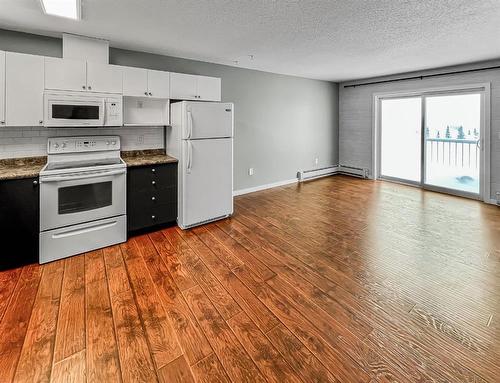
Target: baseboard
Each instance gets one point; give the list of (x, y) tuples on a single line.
[(264, 187), (336, 169), (492, 201)]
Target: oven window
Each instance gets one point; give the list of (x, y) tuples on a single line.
[(75, 112), (74, 199)]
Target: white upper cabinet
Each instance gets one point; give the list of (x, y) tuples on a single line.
[(2, 88), (135, 82), (209, 88), (64, 74), (76, 75), (191, 87), (139, 82), (24, 84), (183, 86), (104, 78), (158, 84)]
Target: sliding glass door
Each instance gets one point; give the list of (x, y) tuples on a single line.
[(433, 140), (401, 127), (452, 142)]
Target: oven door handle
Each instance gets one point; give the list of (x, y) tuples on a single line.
[(85, 176)]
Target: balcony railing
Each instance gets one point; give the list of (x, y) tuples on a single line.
[(453, 152)]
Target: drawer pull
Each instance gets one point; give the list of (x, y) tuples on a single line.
[(153, 170), (153, 182), (153, 198), (153, 217)]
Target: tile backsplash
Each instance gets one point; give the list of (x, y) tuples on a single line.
[(18, 142)]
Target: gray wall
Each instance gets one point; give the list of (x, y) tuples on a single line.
[(282, 123), (356, 113)]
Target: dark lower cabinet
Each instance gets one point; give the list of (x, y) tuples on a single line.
[(151, 197), (19, 222)]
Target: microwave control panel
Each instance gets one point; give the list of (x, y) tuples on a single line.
[(113, 113)]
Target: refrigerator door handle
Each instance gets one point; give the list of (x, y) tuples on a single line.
[(190, 124), (190, 157)]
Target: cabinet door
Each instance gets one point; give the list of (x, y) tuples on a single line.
[(23, 89), (104, 78), (2, 88), (209, 88), (159, 84), (135, 82), (65, 74), (183, 86), (19, 222)]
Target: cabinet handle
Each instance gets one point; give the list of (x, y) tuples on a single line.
[(146, 93), (83, 86), (90, 87), (35, 183), (2, 122), (153, 198), (153, 170), (153, 217), (153, 182), (150, 93), (40, 122)]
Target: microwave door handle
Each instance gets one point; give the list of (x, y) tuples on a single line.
[(103, 108), (82, 177)]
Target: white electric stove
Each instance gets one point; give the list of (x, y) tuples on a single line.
[(82, 196)]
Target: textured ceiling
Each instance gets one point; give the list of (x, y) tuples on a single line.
[(330, 40)]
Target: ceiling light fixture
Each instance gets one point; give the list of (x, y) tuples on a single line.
[(71, 9)]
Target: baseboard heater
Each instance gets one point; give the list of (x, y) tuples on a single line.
[(306, 175), (353, 171)]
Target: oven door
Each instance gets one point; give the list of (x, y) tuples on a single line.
[(81, 197), (73, 111)]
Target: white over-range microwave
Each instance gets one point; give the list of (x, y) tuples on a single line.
[(81, 109)]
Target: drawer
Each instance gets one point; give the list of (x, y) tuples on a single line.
[(156, 215), (152, 177), (149, 198)]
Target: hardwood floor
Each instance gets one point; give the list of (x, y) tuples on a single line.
[(335, 280)]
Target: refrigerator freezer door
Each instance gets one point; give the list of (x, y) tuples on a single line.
[(207, 120), (206, 190)]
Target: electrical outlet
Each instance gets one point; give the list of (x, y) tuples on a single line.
[(250, 171), (140, 139)]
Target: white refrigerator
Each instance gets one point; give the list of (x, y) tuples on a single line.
[(201, 138)]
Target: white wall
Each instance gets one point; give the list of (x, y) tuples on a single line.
[(32, 141), (356, 113)]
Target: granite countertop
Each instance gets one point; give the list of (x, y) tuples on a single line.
[(146, 157), (15, 168), (27, 167)]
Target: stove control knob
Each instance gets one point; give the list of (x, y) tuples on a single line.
[(63, 144), (56, 145), (107, 143), (113, 142)]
